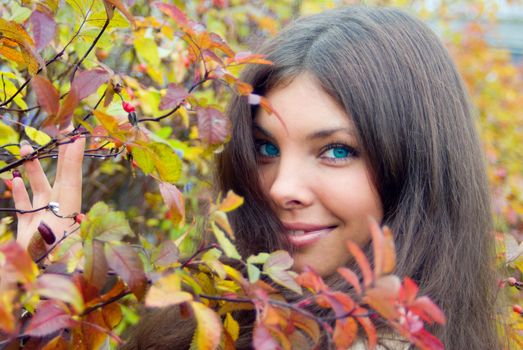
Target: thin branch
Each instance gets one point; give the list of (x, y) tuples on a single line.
[(51, 248), (198, 252), (107, 302), (93, 44)]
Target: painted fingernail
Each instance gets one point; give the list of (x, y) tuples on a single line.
[(16, 173), (46, 232)]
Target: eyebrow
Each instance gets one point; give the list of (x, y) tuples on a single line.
[(319, 134)]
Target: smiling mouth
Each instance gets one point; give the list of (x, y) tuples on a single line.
[(302, 238)]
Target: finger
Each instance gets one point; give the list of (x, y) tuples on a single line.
[(37, 179), (22, 202), (70, 177)]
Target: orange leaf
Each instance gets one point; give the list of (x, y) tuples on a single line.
[(389, 251), (351, 278), (369, 328), (377, 246), (15, 32), (173, 12), (12, 54), (93, 330), (18, 263), (362, 261), (174, 200), (230, 202), (112, 314), (57, 343), (426, 309), (345, 333), (408, 291), (66, 110), (46, 94), (308, 325)]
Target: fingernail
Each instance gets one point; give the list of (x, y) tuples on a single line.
[(46, 232), (24, 143), (16, 173)]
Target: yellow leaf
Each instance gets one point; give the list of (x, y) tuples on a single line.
[(37, 136), (209, 327), (167, 291), (14, 31), (231, 326)]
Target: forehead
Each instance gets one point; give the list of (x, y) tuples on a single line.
[(303, 106)]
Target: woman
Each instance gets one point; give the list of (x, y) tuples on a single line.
[(373, 120)]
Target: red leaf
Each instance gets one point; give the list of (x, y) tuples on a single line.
[(351, 278), (424, 307), (121, 7), (362, 261), (311, 280), (51, 316), (213, 126), (87, 82), (262, 339), (175, 95), (173, 12), (389, 251), (44, 28), (127, 264), (369, 328), (408, 291), (46, 94), (95, 267), (174, 200), (66, 110), (17, 263), (427, 341)]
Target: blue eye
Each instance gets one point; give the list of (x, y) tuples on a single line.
[(338, 152), (267, 149)]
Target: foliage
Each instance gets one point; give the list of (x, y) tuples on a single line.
[(145, 83)]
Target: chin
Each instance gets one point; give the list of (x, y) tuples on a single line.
[(324, 269)]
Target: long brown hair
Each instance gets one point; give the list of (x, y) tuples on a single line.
[(397, 82)]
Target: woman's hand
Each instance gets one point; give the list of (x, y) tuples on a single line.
[(66, 191)]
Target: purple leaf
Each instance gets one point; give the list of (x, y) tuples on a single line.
[(51, 316), (87, 82), (175, 95), (213, 126), (44, 29)]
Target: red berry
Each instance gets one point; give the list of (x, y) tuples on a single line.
[(46, 232), (79, 217), (128, 107), (517, 309)]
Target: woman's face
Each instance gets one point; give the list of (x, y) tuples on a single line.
[(311, 167)]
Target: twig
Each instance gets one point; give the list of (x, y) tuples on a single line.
[(107, 302), (93, 44), (51, 248), (198, 252)]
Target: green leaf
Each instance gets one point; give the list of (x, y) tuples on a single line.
[(105, 224), (253, 273), (159, 159), (228, 248)]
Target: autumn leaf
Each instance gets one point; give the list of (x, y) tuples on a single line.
[(277, 267), (158, 159), (351, 277), (112, 315), (127, 264), (262, 338), (213, 126), (95, 266), (121, 7), (362, 261), (105, 224), (57, 343), (38, 136), (167, 291), (174, 96), (61, 288), (87, 82), (7, 318), (51, 316), (228, 248), (174, 201), (46, 94), (208, 329), (231, 326), (44, 28), (230, 202), (345, 333), (172, 11), (17, 263), (165, 254)]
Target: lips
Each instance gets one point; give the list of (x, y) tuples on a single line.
[(301, 235)]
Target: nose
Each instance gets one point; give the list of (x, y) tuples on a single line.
[(292, 186)]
